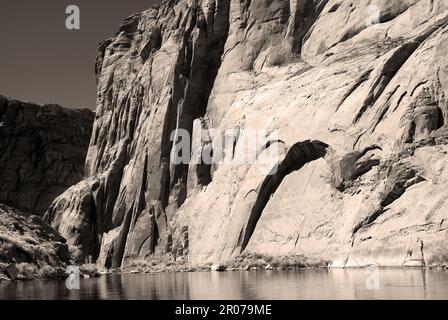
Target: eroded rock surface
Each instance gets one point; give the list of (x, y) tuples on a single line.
[(29, 248), (42, 152), (353, 75)]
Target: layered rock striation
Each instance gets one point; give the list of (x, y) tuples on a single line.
[(42, 152), (351, 95)]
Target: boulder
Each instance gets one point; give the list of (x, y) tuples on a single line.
[(218, 267)]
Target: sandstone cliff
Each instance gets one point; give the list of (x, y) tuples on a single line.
[(42, 152), (355, 92)]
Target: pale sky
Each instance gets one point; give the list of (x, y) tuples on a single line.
[(43, 62)]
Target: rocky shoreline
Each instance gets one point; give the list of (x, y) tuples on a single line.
[(244, 262), (29, 248)]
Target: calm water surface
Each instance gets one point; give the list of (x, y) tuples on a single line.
[(271, 285)]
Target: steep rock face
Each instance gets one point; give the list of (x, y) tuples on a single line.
[(154, 76), (367, 80), (42, 152)]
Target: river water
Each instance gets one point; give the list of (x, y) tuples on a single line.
[(270, 285)]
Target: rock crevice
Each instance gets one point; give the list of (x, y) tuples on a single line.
[(322, 69)]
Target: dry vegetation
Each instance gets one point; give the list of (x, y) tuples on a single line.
[(246, 261), (29, 248)]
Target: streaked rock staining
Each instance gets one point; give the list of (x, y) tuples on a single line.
[(375, 192)]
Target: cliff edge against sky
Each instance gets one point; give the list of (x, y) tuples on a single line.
[(354, 91), (42, 153)]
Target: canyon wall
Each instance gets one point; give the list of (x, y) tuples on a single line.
[(42, 152), (351, 95)]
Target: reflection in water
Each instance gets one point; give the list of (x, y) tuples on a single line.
[(268, 285)]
